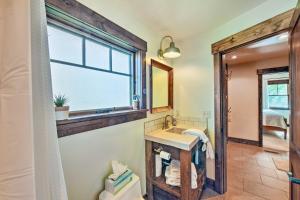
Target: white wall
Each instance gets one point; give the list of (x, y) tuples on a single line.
[(86, 157), (194, 73), (243, 97), (194, 77)]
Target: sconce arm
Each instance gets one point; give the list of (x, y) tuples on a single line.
[(165, 37)]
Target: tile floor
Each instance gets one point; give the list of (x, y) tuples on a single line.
[(252, 175), (275, 140)]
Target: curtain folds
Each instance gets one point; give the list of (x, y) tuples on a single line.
[(30, 164)]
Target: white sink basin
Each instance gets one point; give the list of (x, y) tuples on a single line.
[(173, 137)]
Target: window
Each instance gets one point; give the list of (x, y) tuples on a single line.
[(278, 95), (91, 73)]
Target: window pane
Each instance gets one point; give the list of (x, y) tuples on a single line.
[(120, 62), (90, 89), (278, 101), (64, 46), (272, 89), (97, 55), (282, 89)]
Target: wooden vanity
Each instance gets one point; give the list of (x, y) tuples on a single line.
[(157, 189)]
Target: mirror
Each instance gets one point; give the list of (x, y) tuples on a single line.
[(161, 87)]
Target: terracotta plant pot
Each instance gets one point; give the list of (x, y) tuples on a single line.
[(62, 113), (135, 105)]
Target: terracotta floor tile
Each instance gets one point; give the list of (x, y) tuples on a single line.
[(234, 194), (264, 191), (266, 163), (275, 183), (282, 175), (252, 175), (268, 172)]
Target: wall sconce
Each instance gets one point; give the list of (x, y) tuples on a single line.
[(171, 52)]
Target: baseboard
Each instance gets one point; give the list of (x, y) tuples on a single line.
[(243, 141), (210, 183)]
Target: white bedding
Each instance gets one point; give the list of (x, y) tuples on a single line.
[(272, 118)]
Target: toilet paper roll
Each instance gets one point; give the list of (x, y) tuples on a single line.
[(165, 155), (158, 165)]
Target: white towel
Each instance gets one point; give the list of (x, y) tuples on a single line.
[(199, 133), (172, 174), (202, 136)]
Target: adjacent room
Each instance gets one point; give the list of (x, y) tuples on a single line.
[(258, 110), (149, 100)]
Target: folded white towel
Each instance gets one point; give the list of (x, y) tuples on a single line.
[(172, 174), (202, 136)]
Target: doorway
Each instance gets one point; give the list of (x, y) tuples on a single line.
[(249, 163), (262, 30), (274, 109)]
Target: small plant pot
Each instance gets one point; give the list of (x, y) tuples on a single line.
[(62, 113), (136, 105)]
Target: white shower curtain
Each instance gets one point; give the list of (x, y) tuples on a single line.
[(30, 164)]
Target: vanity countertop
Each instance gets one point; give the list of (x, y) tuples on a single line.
[(180, 141)]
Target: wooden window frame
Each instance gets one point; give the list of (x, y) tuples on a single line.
[(72, 15), (131, 74), (276, 82)]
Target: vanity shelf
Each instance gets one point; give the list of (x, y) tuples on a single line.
[(156, 186)]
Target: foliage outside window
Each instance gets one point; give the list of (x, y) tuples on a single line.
[(93, 74), (278, 94)]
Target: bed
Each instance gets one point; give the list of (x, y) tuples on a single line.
[(274, 121)]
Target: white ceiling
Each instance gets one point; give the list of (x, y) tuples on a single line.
[(185, 18)]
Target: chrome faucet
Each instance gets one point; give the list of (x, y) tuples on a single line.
[(166, 122)]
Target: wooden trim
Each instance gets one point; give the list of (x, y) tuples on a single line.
[(258, 32), (185, 174), (81, 124), (273, 70), (295, 16), (150, 167), (81, 113), (76, 16), (89, 17), (244, 141), (160, 109), (260, 110), (279, 81), (169, 69), (220, 127), (262, 30), (260, 73), (144, 80)]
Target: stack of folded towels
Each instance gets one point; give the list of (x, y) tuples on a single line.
[(172, 174), (121, 177)]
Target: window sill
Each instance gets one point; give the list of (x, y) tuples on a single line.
[(79, 124)]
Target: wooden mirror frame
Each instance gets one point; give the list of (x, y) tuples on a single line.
[(169, 69)]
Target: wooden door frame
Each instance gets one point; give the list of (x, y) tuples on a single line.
[(260, 73), (278, 24), (294, 151)]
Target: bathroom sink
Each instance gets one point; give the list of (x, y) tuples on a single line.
[(175, 130)]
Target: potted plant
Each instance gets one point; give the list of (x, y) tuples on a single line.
[(136, 102), (61, 110)]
